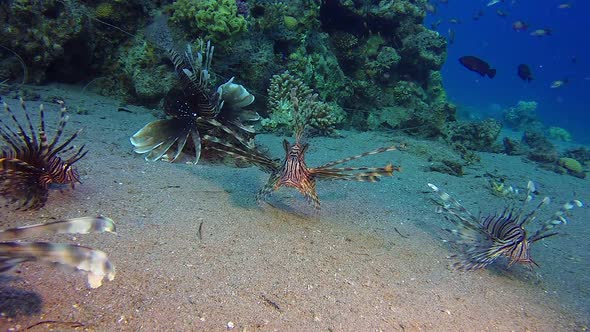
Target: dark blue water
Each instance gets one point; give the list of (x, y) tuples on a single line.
[(563, 55)]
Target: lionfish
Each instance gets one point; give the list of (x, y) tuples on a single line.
[(94, 262), (196, 112), (486, 239), (293, 171), (30, 164)]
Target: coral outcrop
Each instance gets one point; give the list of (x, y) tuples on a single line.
[(522, 116), (560, 134), (478, 136)]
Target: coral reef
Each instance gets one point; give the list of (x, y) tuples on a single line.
[(361, 58)]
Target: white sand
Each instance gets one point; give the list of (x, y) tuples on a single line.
[(279, 267)]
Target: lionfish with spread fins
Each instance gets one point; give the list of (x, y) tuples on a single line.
[(486, 239), (30, 164), (94, 262), (293, 171), (195, 111)]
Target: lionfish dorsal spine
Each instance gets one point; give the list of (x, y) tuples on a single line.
[(21, 133), (30, 123), (63, 119)]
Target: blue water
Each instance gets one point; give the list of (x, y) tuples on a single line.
[(550, 58)]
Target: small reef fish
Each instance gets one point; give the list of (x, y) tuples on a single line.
[(541, 32), (519, 26), (454, 20), (558, 83), (478, 15), (501, 13), (430, 8), (564, 5), (493, 2), (451, 33), (435, 25), (524, 72), (477, 65)]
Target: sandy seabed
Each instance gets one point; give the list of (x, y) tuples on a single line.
[(374, 259)]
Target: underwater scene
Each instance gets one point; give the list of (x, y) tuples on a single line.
[(304, 165)]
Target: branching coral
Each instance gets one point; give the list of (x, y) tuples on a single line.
[(324, 116)]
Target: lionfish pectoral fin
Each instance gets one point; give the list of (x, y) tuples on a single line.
[(370, 174), (196, 137), (312, 198), (159, 151), (235, 95), (17, 166), (9, 263), (158, 136), (83, 225), (94, 262), (271, 185), (180, 144)]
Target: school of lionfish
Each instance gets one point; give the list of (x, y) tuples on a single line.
[(212, 123)]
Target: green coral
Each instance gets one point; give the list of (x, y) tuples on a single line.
[(386, 58), (290, 22), (560, 134), (215, 20), (317, 66), (571, 164), (392, 117), (323, 117), (406, 93)]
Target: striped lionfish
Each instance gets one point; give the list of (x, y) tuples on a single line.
[(486, 239), (293, 171), (194, 111), (94, 262), (30, 164)]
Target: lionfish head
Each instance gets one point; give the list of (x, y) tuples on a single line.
[(62, 174), (295, 151), (520, 253)]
